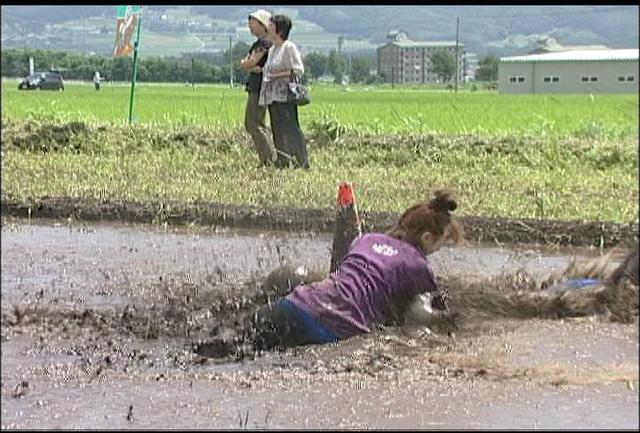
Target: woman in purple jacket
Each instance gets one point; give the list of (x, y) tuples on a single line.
[(379, 277)]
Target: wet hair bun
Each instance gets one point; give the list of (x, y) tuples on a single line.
[(443, 201)]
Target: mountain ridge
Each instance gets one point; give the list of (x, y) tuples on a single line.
[(498, 30)]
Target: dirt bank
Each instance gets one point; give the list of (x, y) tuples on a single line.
[(546, 232)]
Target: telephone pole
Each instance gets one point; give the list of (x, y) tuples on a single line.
[(393, 77), (457, 60), (230, 63)]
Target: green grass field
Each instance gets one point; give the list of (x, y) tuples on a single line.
[(363, 108), (551, 157)]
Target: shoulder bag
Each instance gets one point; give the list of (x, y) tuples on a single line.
[(298, 93)]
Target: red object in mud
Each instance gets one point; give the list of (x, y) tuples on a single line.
[(345, 194), (348, 224), (347, 206)]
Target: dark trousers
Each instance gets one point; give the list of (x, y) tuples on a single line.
[(254, 117), (275, 327), (97, 85), (288, 138), (281, 325)]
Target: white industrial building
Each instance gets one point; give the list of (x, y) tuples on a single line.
[(572, 71)]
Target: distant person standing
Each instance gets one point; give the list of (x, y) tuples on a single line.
[(96, 80), (284, 59), (254, 116)]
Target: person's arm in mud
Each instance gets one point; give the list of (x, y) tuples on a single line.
[(427, 307), (421, 300), (421, 309)]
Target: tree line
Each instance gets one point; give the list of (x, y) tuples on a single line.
[(191, 67), (212, 67), (196, 68)]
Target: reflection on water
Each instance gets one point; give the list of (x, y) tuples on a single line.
[(50, 255)]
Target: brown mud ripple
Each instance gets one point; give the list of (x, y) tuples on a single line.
[(548, 232), (172, 309), (184, 314)]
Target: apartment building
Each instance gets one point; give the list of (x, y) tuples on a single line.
[(405, 61)]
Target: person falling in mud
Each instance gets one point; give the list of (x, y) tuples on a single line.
[(379, 278)]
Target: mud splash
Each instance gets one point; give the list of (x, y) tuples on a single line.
[(111, 314), (214, 303)]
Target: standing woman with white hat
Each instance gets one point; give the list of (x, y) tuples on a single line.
[(283, 60), (254, 116)]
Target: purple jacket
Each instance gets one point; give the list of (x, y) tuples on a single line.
[(376, 270)]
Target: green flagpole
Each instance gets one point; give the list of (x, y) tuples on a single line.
[(135, 68)]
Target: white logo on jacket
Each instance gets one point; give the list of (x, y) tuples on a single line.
[(384, 249)]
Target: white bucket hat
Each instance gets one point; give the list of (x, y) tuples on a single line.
[(262, 16)]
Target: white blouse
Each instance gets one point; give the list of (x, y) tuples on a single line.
[(282, 58)]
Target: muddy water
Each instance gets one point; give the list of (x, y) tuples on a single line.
[(99, 321)]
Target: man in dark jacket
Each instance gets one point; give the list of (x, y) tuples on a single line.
[(254, 120)]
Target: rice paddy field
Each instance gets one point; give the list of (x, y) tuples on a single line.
[(367, 108), (568, 157)]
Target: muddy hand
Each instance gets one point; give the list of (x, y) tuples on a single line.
[(215, 348), (439, 302)]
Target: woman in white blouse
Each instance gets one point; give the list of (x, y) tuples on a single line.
[(283, 60)]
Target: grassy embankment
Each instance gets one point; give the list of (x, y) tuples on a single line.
[(572, 157)]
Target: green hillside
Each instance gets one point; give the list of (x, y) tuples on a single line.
[(501, 30)]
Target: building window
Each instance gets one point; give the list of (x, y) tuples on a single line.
[(516, 79), (630, 78), (550, 79), (591, 78), (520, 79), (622, 79)]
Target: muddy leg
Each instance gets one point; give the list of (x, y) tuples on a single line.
[(628, 269), (281, 281), (268, 326), (274, 326)]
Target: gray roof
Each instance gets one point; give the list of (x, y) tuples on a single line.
[(407, 43), (557, 48), (577, 56)]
